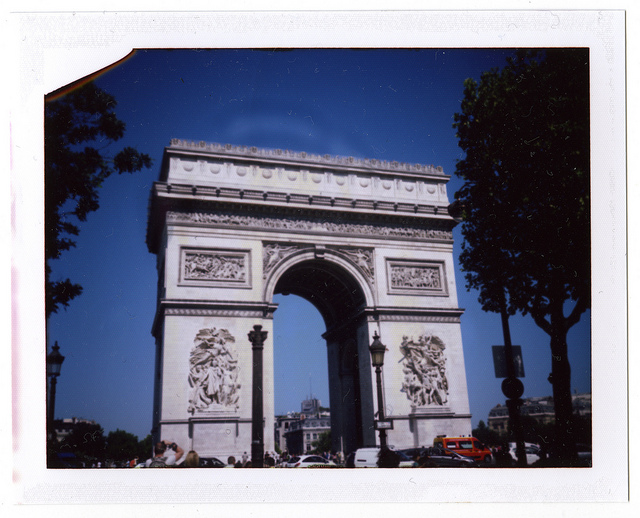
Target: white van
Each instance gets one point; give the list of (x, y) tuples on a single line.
[(368, 458)]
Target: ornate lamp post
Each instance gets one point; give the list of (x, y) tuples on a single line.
[(257, 338), (54, 364), (377, 350)]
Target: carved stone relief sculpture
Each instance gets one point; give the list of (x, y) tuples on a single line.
[(425, 375), (273, 253), (214, 266), (362, 258), (213, 372), (308, 225), (415, 277)]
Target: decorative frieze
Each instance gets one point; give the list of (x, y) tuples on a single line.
[(416, 277), (416, 317), (424, 367), (213, 373), (221, 268), (308, 225), (214, 312)]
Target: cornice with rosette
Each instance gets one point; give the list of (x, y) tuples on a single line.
[(302, 158)]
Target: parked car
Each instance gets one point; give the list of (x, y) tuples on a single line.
[(442, 457), (412, 452), (309, 461), (467, 446), (532, 452), (211, 462), (368, 458)]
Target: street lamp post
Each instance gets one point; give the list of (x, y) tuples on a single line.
[(54, 364), (377, 350)]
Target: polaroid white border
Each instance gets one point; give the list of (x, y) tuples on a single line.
[(49, 50)]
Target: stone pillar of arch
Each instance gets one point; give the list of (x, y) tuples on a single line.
[(369, 243)]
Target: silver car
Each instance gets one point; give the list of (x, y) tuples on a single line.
[(532, 452)]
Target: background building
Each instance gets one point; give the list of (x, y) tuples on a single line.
[(541, 409), (300, 433), (282, 425), (64, 427)]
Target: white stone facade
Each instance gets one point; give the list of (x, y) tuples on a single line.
[(369, 242)]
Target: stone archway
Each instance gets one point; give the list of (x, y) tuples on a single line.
[(339, 296), (369, 243)]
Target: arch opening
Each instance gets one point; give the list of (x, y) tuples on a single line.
[(334, 292), (339, 299)]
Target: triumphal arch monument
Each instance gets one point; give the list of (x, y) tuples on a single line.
[(367, 242)]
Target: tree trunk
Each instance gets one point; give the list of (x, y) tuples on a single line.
[(564, 444)]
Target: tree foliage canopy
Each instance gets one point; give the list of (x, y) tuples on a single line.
[(122, 445), (323, 443), (525, 132), (86, 440), (525, 201), (79, 127)]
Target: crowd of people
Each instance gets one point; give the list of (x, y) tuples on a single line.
[(169, 454)]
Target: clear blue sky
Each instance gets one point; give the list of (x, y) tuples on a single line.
[(384, 104)]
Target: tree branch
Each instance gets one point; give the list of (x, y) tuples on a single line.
[(541, 322), (580, 307)]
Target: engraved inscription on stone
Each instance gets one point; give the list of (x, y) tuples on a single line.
[(425, 375), (213, 372)]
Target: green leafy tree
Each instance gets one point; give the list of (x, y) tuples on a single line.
[(121, 445), (525, 199), (87, 441), (79, 126), (486, 435), (323, 443), (145, 448)]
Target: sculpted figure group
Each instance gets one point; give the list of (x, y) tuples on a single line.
[(214, 266), (213, 371), (425, 381)]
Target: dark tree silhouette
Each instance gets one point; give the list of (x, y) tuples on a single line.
[(79, 126), (86, 441), (122, 446), (525, 199)]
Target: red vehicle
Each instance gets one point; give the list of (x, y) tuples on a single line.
[(467, 446)]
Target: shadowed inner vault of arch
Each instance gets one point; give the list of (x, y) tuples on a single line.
[(330, 289)]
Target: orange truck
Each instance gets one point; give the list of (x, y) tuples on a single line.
[(467, 446)]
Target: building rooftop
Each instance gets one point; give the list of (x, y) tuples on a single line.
[(303, 156)]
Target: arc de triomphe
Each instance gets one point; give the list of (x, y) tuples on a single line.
[(368, 242)]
